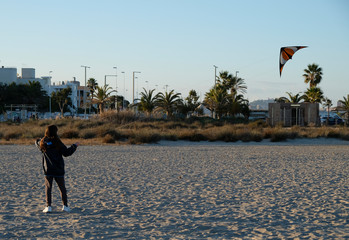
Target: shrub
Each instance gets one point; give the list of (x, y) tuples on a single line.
[(12, 135), (170, 137), (278, 136), (256, 136), (104, 130), (88, 134), (257, 124), (108, 139), (70, 133), (333, 134), (121, 117), (145, 137), (197, 137), (345, 136)]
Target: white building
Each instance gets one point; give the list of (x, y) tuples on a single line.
[(9, 75), (77, 95)]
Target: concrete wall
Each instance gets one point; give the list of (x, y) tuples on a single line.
[(8, 75), (290, 114)]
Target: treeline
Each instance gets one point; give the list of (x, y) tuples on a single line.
[(29, 93)]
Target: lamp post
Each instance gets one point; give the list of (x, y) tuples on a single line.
[(116, 78), (85, 90), (236, 74), (105, 78), (133, 89), (215, 75), (49, 93), (123, 101)]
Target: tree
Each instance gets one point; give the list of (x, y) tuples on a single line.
[(291, 98), (102, 96), (345, 103), (313, 75), (232, 83), (168, 102), (224, 98), (216, 100), (313, 95), (237, 104), (327, 103), (3, 97), (61, 97), (148, 101), (190, 103), (92, 85)]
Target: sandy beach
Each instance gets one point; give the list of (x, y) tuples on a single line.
[(181, 190)]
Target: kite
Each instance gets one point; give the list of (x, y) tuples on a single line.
[(286, 54)]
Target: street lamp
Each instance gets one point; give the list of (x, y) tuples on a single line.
[(133, 89), (49, 92), (116, 78), (105, 79), (215, 75), (85, 90), (236, 74), (123, 101)]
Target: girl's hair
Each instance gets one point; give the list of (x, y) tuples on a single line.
[(51, 131), (50, 134)]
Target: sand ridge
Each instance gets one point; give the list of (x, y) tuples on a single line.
[(183, 191)]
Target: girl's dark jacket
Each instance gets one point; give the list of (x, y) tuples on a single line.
[(53, 162)]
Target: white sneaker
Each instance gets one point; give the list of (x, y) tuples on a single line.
[(65, 208), (47, 209)]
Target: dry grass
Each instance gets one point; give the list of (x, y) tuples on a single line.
[(127, 128)]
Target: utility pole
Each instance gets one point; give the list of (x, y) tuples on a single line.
[(85, 90), (215, 75), (116, 78), (133, 89), (49, 93)]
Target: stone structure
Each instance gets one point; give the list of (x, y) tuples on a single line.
[(290, 114)]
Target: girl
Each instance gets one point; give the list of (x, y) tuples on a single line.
[(53, 151)]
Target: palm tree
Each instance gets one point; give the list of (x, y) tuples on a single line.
[(232, 83), (216, 100), (237, 104), (148, 101), (92, 85), (327, 103), (313, 95), (345, 103), (292, 98), (103, 96), (313, 75), (168, 101)]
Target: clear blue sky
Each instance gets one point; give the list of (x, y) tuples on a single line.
[(176, 43)]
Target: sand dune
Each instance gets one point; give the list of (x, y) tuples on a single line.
[(182, 191)]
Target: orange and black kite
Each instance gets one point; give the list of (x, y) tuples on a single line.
[(286, 54)]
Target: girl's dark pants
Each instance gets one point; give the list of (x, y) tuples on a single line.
[(48, 188)]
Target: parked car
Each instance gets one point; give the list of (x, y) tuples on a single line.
[(332, 120)]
